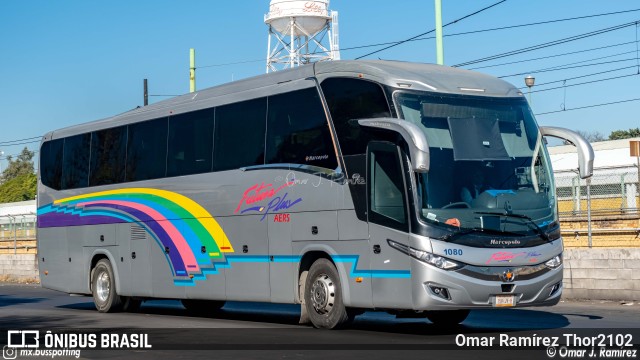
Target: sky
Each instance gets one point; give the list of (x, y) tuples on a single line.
[(67, 62)]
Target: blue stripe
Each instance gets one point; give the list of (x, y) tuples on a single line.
[(353, 259)]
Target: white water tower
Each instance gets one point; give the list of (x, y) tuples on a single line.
[(299, 31)]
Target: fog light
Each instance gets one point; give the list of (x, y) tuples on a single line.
[(555, 288), (440, 292)]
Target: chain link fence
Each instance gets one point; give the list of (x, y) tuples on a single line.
[(614, 191)]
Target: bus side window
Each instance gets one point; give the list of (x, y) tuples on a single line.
[(386, 187), (190, 143), (147, 150), (75, 161), (298, 131), (239, 135), (108, 154), (350, 99), (51, 163)]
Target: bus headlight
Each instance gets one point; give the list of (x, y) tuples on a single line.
[(554, 262), (435, 260)]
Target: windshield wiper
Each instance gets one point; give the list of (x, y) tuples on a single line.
[(532, 224), (457, 234)]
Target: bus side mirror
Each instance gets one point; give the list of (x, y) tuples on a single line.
[(411, 133), (585, 151)]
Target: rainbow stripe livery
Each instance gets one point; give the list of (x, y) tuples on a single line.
[(176, 222)]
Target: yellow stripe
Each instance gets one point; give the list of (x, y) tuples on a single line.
[(200, 213)]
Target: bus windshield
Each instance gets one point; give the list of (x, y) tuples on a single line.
[(489, 169)]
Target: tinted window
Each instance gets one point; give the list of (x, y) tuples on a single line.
[(298, 132), (108, 153), (190, 143), (239, 134), (147, 150), (386, 192), (51, 163), (75, 168), (350, 99)]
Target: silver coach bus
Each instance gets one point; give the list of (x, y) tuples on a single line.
[(421, 190)]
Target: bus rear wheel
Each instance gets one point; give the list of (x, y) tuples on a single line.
[(103, 287), (323, 296), (447, 317)]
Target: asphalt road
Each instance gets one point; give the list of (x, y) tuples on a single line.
[(251, 330)]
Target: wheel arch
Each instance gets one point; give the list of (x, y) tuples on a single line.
[(98, 255), (310, 254)]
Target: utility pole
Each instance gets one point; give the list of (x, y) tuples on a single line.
[(146, 93), (439, 46), (192, 70)]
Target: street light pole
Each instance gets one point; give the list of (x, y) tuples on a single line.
[(529, 81)]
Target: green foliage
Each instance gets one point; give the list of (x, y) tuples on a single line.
[(624, 134), (21, 188), (23, 164)]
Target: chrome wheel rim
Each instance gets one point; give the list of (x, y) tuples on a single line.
[(323, 294), (103, 286)]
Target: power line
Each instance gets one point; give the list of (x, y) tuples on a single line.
[(491, 29), (589, 106), (568, 67), (585, 83), (6, 143), (430, 31), (23, 143), (446, 35), (231, 63), (548, 44), (552, 56), (582, 76)]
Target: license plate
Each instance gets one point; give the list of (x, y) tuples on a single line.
[(505, 301)]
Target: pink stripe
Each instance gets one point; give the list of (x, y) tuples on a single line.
[(178, 240)]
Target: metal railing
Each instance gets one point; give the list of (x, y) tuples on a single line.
[(17, 227), (611, 193)]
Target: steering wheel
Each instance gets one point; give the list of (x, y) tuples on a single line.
[(457, 205)]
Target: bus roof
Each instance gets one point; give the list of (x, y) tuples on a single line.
[(414, 76)]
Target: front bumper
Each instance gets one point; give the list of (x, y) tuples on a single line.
[(475, 292)]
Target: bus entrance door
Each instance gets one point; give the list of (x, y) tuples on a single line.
[(388, 220)]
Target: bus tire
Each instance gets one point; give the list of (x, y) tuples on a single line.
[(323, 296), (103, 287), (202, 307), (447, 317)]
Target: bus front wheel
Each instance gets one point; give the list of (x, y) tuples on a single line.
[(103, 286), (323, 296)]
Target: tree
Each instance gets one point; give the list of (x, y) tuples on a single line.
[(592, 136), (23, 164), (624, 134), (20, 188)]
